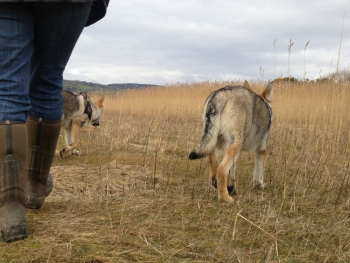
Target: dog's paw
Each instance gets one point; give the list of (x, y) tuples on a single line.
[(225, 198), (231, 190), (62, 152), (75, 152), (214, 182), (258, 185)]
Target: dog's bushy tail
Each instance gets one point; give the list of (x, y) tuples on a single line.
[(211, 126)]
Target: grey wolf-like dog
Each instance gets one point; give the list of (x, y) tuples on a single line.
[(78, 111), (237, 119)]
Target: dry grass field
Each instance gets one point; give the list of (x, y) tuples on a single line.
[(133, 195)]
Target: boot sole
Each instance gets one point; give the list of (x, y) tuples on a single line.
[(34, 202), (17, 231), (14, 238)]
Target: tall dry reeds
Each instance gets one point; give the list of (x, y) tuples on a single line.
[(133, 195), (307, 171)]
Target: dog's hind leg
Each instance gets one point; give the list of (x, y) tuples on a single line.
[(71, 137), (213, 162), (77, 124), (231, 185), (258, 175), (74, 137), (232, 153), (67, 138)]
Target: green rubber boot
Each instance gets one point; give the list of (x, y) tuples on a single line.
[(13, 157), (42, 140)]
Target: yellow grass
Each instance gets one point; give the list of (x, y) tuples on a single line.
[(135, 197)]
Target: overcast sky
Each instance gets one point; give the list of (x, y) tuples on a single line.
[(169, 41)]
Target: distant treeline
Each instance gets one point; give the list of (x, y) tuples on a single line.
[(336, 76), (91, 86)]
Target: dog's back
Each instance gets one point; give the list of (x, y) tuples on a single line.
[(231, 113), (74, 104)]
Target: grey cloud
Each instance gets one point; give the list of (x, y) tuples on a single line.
[(161, 42)]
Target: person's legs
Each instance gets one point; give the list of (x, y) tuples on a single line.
[(16, 37), (57, 27), (18, 64), (16, 45)]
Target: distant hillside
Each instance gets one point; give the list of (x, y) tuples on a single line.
[(118, 86), (91, 86)]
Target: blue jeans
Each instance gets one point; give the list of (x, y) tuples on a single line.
[(36, 41)]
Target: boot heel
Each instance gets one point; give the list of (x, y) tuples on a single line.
[(37, 192), (12, 222)]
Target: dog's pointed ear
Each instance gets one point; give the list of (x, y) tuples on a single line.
[(100, 101), (268, 92), (246, 85)]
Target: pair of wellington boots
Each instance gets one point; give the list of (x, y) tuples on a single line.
[(26, 154)]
